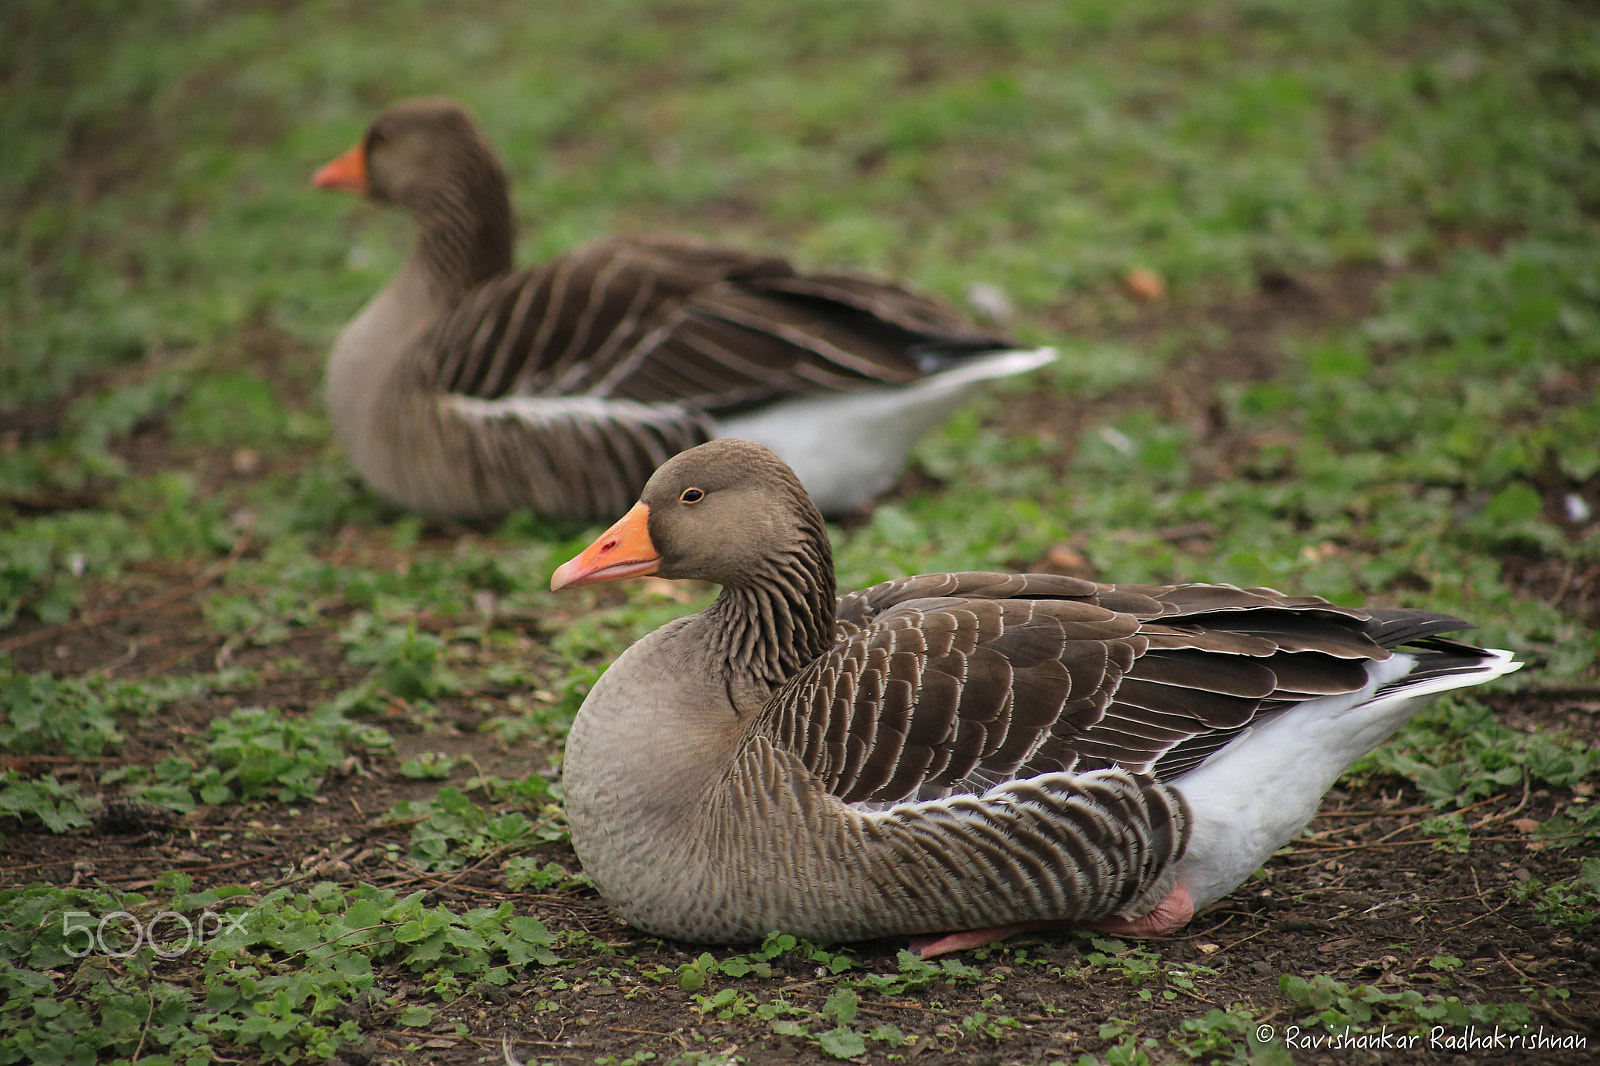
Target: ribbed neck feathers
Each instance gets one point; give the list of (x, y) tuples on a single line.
[(778, 614), (466, 228)]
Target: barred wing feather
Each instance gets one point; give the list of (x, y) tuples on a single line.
[(951, 683)]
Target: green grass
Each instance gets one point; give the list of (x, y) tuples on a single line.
[(169, 282), (275, 969)]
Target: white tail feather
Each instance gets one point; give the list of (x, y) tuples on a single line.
[(848, 448), (1257, 793)]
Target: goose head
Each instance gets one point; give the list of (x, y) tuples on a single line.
[(414, 152), (730, 512), (429, 157)]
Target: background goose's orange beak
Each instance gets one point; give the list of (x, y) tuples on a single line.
[(624, 550), (348, 172)]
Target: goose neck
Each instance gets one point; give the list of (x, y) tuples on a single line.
[(766, 630), (466, 235)]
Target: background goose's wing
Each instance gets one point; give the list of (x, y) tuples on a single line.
[(660, 320), (570, 456), (952, 683)]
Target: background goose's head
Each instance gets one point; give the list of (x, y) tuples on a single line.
[(729, 512), (420, 154)]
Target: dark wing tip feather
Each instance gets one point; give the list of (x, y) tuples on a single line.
[(1391, 627)]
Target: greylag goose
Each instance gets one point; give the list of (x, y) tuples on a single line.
[(470, 389), (971, 754)]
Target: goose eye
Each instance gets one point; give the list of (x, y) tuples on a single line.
[(691, 496)]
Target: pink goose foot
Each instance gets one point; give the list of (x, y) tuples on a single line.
[(1171, 913), (930, 945)]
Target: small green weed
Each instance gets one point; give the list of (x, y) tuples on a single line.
[(1449, 830), (230, 410), (526, 873), (260, 750), (450, 829), (917, 974), (78, 716), (1147, 971), (1215, 1034), (1573, 904), (45, 564), (1337, 1007), (406, 663), (263, 616), (1456, 752), (725, 1004), (531, 788), (59, 806), (541, 715), (430, 766), (991, 1026), (829, 1028), (842, 1040), (640, 1059), (1129, 1049), (1580, 822), (63, 716), (255, 752)]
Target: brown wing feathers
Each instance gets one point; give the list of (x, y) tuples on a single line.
[(948, 683), (657, 320)]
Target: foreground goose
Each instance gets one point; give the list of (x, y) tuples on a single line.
[(469, 389), (973, 754)]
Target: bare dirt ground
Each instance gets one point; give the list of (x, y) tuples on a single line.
[(1367, 898)]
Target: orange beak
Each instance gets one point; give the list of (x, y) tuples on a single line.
[(624, 550), (347, 173)]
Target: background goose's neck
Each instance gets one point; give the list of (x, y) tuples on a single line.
[(466, 230), (767, 627)]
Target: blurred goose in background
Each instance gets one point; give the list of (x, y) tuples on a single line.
[(956, 757), (470, 389)]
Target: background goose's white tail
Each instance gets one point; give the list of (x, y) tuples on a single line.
[(1251, 797), (847, 448)]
